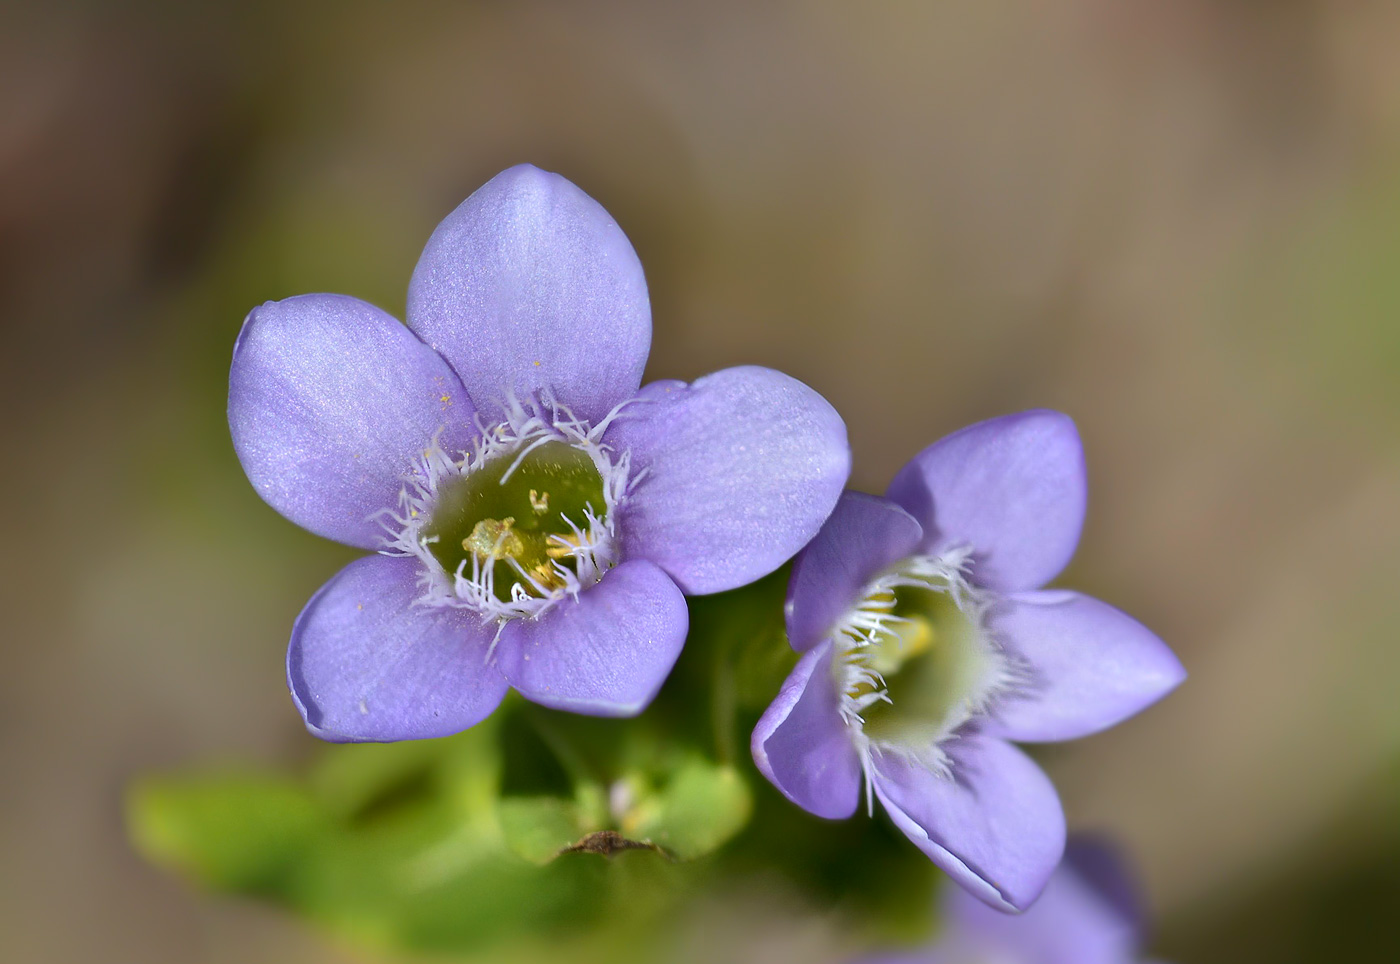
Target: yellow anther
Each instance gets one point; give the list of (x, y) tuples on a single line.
[(562, 547), (539, 501), (547, 576), (862, 688), (917, 638), (896, 645), (494, 539)]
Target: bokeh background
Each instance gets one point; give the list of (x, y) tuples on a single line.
[(1177, 221)]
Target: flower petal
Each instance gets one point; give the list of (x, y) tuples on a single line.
[(1100, 865), (802, 745), (368, 664), (1073, 922), (1091, 666), (995, 826), (604, 654), (742, 468), (330, 401), (864, 535), (531, 285), (1012, 488)]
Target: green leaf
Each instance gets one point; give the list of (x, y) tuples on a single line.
[(364, 781), (537, 828), (233, 831), (700, 808)]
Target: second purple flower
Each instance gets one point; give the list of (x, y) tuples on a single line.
[(928, 646)]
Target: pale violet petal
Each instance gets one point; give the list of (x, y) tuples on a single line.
[(1080, 917), (1087, 665), (864, 535), (737, 471), (330, 402), (530, 286), (605, 653), (1012, 488), (368, 663), (802, 745), (994, 824)]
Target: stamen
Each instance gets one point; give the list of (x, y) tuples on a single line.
[(494, 540), (565, 547), (892, 633), (541, 566)]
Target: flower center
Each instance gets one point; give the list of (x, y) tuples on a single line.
[(930, 660), (915, 661), (519, 521)]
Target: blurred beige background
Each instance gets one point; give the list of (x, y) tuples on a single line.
[(1179, 222)]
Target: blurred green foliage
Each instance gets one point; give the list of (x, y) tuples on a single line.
[(388, 846), (241, 832), (538, 827)]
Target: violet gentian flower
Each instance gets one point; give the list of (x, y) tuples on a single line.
[(537, 516), (926, 647), (1090, 913)]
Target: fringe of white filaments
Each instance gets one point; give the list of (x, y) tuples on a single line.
[(589, 551), (855, 641)]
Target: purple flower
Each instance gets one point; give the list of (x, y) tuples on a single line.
[(1090, 913), (538, 517), (927, 646)]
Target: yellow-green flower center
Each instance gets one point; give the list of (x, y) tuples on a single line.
[(525, 517), (930, 659)]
